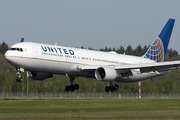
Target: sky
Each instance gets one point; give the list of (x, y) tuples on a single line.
[(88, 23)]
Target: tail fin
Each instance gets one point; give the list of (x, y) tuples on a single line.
[(22, 40), (157, 50)]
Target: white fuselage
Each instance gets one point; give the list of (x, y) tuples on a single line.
[(65, 60)]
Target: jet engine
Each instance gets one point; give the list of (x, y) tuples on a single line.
[(106, 74), (38, 75)]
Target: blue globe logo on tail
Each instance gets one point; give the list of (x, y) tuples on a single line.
[(157, 51)]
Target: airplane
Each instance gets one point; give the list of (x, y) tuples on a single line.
[(41, 61)]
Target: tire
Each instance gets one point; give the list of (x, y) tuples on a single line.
[(17, 79), (107, 89), (112, 88), (67, 88), (76, 87), (20, 79), (72, 88)]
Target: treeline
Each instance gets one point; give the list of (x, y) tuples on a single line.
[(164, 84), (138, 51)]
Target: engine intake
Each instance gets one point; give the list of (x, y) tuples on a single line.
[(106, 74), (38, 75)]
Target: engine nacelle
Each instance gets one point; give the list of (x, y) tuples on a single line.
[(106, 74), (38, 75)]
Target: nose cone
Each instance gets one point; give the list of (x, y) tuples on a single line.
[(9, 57), (6, 55)]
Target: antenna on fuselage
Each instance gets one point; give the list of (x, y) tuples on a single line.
[(55, 44)]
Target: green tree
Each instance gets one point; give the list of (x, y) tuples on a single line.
[(3, 48), (129, 50), (144, 50), (121, 50), (138, 51)]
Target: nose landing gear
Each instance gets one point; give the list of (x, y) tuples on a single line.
[(19, 78)]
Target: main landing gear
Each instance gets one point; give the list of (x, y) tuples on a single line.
[(111, 88), (72, 86), (19, 78)]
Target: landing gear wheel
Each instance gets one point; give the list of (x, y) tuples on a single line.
[(19, 79), (72, 88), (111, 87), (76, 86), (67, 88), (107, 89)]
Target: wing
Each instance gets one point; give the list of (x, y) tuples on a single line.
[(148, 67), (143, 67)]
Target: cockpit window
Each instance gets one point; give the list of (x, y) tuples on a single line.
[(17, 49), (13, 48)]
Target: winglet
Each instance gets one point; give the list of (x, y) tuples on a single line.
[(157, 50), (22, 40)]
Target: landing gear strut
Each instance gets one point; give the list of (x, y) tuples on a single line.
[(111, 88), (19, 78), (72, 87)]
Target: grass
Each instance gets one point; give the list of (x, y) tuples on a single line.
[(90, 109)]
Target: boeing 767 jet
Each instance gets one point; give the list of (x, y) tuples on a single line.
[(41, 61)]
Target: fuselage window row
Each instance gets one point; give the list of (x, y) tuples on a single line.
[(84, 58)]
